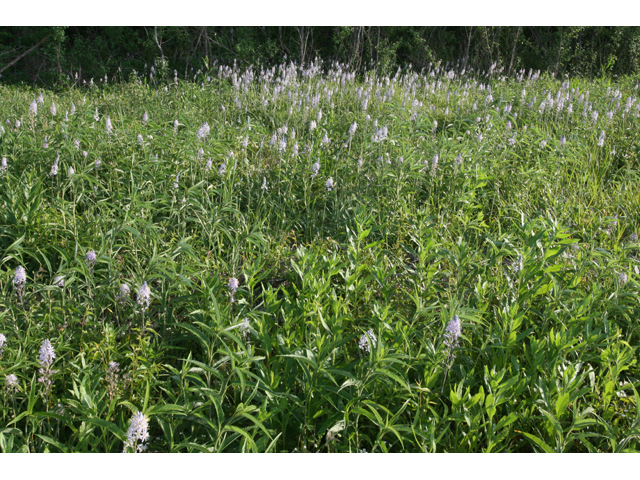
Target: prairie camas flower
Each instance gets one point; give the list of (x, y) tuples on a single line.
[(11, 382), (138, 431), (434, 165), (367, 340), (601, 139), (33, 109), (145, 118), (264, 184), (352, 129), (71, 171), (233, 287), (20, 280), (90, 260), (315, 168), (54, 168), (3, 342), (108, 125), (53, 109), (623, 278), (329, 184), (3, 166), (144, 297), (451, 339), (46, 358), (47, 354), (98, 164), (123, 295), (203, 131), (59, 281)]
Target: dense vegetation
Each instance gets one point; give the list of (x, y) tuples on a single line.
[(295, 259), (73, 55)]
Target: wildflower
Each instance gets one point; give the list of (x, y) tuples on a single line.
[(144, 297), (543, 144), (98, 164), (85, 153), (3, 166), (11, 382), (140, 139), (200, 154), (145, 117), (451, 339), (124, 293), (20, 280), (479, 137), (563, 140), (459, 160), (76, 143), (112, 379), (434, 165), (90, 259), (367, 340), (601, 139), (109, 127), (18, 124), (33, 109), (633, 237), (208, 165), (623, 278), (54, 167), (315, 168), (96, 116), (319, 116), (329, 184), (325, 140), (203, 131), (245, 142), (138, 431), (176, 183), (233, 287), (59, 281), (352, 129), (47, 354), (312, 126), (3, 342), (45, 144), (40, 99), (46, 358), (264, 184), (71, 171), (175, 126), (222, 169)]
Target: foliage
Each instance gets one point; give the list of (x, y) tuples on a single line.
[(474, 194)]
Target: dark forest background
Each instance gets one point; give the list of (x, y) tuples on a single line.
[(54, 55)]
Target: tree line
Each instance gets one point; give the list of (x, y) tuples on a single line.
[(55, 55)]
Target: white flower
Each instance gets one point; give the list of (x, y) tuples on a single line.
[(367, 340), (144, 296), (47, 354), (138, 431), (329, 184)]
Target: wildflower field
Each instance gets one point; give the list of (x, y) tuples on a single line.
[(301, 259)]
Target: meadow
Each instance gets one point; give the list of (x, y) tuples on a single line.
[(301, 259)]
